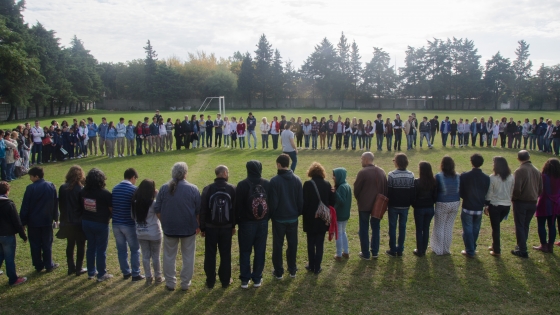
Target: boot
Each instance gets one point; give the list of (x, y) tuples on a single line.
[(543, 248), (551, 247)]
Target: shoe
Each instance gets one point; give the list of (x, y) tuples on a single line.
[(226, 285), (346, 255), (399, 254), (518, 253), (390, 253), (126, 277), (210, 285), (417, 253), (308, 268), (245, 285), (277, 276), (81, 272), (551, 248), (318, 271), (543, 248), (19, 281), (363, 257), (257, 284), (293, 275), (557, 243), (490, 248), (337, 258), (92, 277), (106, 276), (138, 278), (493, 253), (54, 266), (160, 279), (169, 288), (149, 280), (464, 253)]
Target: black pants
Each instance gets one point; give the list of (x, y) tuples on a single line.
[(523, 212), (187, 141), (218, 140), (80, 245), (329, 140), (299, 140), (338, 141), (503, 139), (497, 215), (217, 239), (473, 138), (40, 243), (274, 141), (422, 219), (398, 137), (208, 137), (544, 236), (315, 243), (178, 142), (432, 136), (279, 232)]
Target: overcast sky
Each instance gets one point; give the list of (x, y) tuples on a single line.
[(116, 30)]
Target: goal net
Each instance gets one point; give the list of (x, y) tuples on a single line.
[(416, 103)]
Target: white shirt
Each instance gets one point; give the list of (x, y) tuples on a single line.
[(265, 128), (37, 133), (162, 130), (227, 128)]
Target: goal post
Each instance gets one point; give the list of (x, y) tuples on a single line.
[(415, 101), (221, 105)]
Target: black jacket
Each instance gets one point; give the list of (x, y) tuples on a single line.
[(69, 205), (434, 123), (187, 127), (311, 203), (285, 196), (10, 223), (205, 210), (473, 188), (425, 197), (511, 127), (178, 130), (243, 208)]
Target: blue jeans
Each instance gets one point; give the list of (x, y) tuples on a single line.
[(314, 141), (97, 236), (471, 228), (379, 137), (367, 142), (330, 137), (202, 138), (209, 138), (8, 254), (532, 142), (342, 240), (10, 171), (249, 134), (306, 137), (293, 156), (444, 138), (365, 221), (40, 243), (37, 148), (427, 136), (422, 219), (540, 142), (400, 215), (252, 235), (264, 141), (389, 141), (354, 136), (126, 235), (409, 141)]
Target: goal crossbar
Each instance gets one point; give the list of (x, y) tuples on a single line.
[(208, 100)]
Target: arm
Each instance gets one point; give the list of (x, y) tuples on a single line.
[(55, 204), (15, 221), (292, 142), (203, 206), (24, 211), (358, 185)]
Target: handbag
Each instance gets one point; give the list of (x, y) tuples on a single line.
[(46, 141), (19, 170), (379, 206), (323, 211)]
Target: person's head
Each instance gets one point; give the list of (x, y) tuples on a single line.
[(219, 116), (447, 166), (398, 116), (4, 188), (409, 117), (413, 115), (552, 168), (447, 118), (367, 158), (131, 175), (154, 119), (511, 119), (90, 120), (139, 124), (453, 121), (233, 119), (209, 117), (346, 121), (288, 125), (557, 122), (534, 121), (36, 123), (519, 122), (360, 121), (226, 119), (314, 118), (222, 171), (95, 179), (121, 120), (82, 124), (501, 167), (523, 156), (264, 121), (330, 117), (157, 111), (240, 120), (477, 160), (251, 114), (388, 120), (316, 170), (490, 119), (379, 116), (466, 121), (193, 117), (368, 123), (282, 161), (178, 173), (104, 120), (177, 121), (481, 119), (146, 120), (526, 120), (306, 121), (424, 119), (541, 119), (36, 173), (15, 135), (322, 119), (25, 132), (201, 116), (143, 199), (111, 125), (504, 119), (401, 161), (75, 176), (426, 177), (497, 122)]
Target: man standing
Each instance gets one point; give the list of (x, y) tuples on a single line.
[(146, 134), (473, 187), (397, 129), (370, 181), (425, 130), (157, 115), (285, 206), (474, 127), (209, 132), (218, 126), (92, 135), (283, 122), (289, 145), (154, 135), (445, 129), (102, 133), (541, 130), (124, 227), (415, 124), (202, 128), (188, 130), (130, 136), (121, 132), (37, 133), (526, 190), (251, 124), (217, 226), (379, 131), (330, 132), (556, 138), (434, 123), (409, 132), (39, 210), (251, 204)]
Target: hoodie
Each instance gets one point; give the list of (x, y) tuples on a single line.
[(242, 193), (343, 195), (285, 197), (10, 223)]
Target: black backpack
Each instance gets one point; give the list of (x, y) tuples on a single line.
[(220, 207), (257, 200)]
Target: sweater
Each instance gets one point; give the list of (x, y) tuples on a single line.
[(370, 181), (343, 195), (311, 224), (425, 196), (528, 183), (401, 190), (121, 130), (220, 184), (178, 211), (474, 185), (447, 188), (69, 205), (285, 196), (499, 193), (151, 229), (10, 223), (39, 207)]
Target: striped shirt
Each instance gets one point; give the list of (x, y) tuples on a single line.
[(122, 199)]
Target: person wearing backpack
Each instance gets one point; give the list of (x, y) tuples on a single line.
[(217, 226), (251, 206)]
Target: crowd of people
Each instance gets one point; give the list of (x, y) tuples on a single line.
[(82, 138), (145, 219)]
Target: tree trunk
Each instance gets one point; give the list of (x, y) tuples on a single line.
[(36, 110), (16, 113), (11, 114), (59, 108), (78, 106), (52, 107), (28, 112)]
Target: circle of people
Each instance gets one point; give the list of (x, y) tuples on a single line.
[(144, 219), (63, 141)]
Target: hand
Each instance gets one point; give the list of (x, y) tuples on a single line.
[(296, 151), (333, 189), (198, 231), (202, 234), (233, 232)]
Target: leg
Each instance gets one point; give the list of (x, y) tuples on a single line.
[(188, 247), (155, 250), (291, 250), (403, 217), (278, 234), (8, 254), (170, 247), (259, 243), (122, 249), (468, 226), (70, 244), (363, 233), (146, 254), (375, 235), (35, 244), (311, 251), (319, 248), (210, 250), (393, 218), (102, 240), (245, 237), (89, 231)]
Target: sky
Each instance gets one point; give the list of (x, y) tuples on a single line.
[(117, 30)]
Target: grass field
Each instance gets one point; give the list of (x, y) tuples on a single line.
[(411, 285)]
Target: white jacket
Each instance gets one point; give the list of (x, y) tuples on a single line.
[(37, 133), (265, 128)]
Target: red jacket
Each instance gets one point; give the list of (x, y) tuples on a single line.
[(241, 129)]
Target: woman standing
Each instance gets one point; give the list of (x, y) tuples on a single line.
[(148, 229), (27, 143), (447, 204), (83, 134), (498, 200), (315, 190), (502, 128), (227, 132), (265, 129), (178, 133), (548, 205), (274, 131), (169, 136), (525, 132), (110, 138), (389, 133), (162, 129), (233, 127), (96, 207), (322, 132), (139, 137), (453, 132), (495, 133), (354, 131), (368, 134), (483, 131), (343, 203), (306, 127), (489, 131), (426, 196), (360, 134), (314, 132), (533, 135), (241, 127), (299, 133), (347, 133), (71, 219)]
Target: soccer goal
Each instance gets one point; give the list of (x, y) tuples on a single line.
[(412, 102), (221, 105)]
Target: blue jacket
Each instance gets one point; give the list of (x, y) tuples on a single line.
[(111, 134), (472, 128), (102, 130), (541, 128), (154, 129), (92, 130), (130, 132), (251, 123), (473, 188), (39, 207), (445, 127)]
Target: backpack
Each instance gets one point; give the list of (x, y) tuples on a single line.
[(220, 207), (257, 200)]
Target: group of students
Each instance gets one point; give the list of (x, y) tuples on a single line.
[(145, 219)]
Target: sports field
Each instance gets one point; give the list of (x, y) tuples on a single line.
[(409, 285)]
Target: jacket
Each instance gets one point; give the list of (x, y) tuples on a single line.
[(102, 130), (129, 134), (220, 184), (343, 195), (311, 224), (10, 223), (243, 207), (370, 181), (528, 183), (473, 187), (92, 130), (121, 130), (407, 126), (434, 124), (39, 207), (251, 123), (69, 205), (447, 188), (445, 127), (425, 126), (285, 196), (549, 200), (178, 212), (425, 196), (499, 193)]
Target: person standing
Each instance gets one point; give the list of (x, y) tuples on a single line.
[(298, 127), (162, 135), (178, 207), (445, 129), (425, 129), (511, 129), (285, 204), (92, 135), (252, 210), (498, 200), (540, 131), (187, 132), (251, 124), (388, 134), (473, 185), (6, 148), (265, 130), (124, 227), (315, 126), (147, 135), (331, 129), (39, 210), (289, 146), (343, 203), (426, 195), (169, 135), (556, 138), (202, 128), (178, 133), (370, 181), (274, 132), (10, 225), (398, 130), (129, 136), (548, 205), (209, 131), (409, 131), (121, 132), (110, 138), (447, 204), (401, 194), (217, 226), (38, 134), (101, 134), (526, 191), (218, 125), (315, 191), (434, 124)]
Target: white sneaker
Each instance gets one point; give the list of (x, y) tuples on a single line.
[(92, 277), (106, 276), (245, 285), (257, 284)]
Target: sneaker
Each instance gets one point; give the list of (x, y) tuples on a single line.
[(293, 275), (390, 253), (257, 284), (160, 279), (518, 253), (168, 288), (127, 276), (54, 266), (106, 276), (19, 281), (138, 278), (464, 253), (149, 280), (92, 277), (308, 268), (81, 272), (277, 276), (363, 257), (245, 285)]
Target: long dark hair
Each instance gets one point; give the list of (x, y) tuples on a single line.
[(426, 179), (448, 166), (552, 168), (142, 200), (95, 179), (501, 167)]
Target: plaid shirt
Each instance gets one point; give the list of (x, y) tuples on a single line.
[(314, 127)]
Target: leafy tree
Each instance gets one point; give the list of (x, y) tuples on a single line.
[(221, 83), (380, 80), (438, 66), (522, 68), (263, 63), (246, 79), (498, 78), (291, 81), (84, 74), (167, 84), (413, 76), (130, 79), (540, 86), (344, 54), (555, 84), (466, 70)]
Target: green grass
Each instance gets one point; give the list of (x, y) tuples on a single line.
[(411, 285)]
